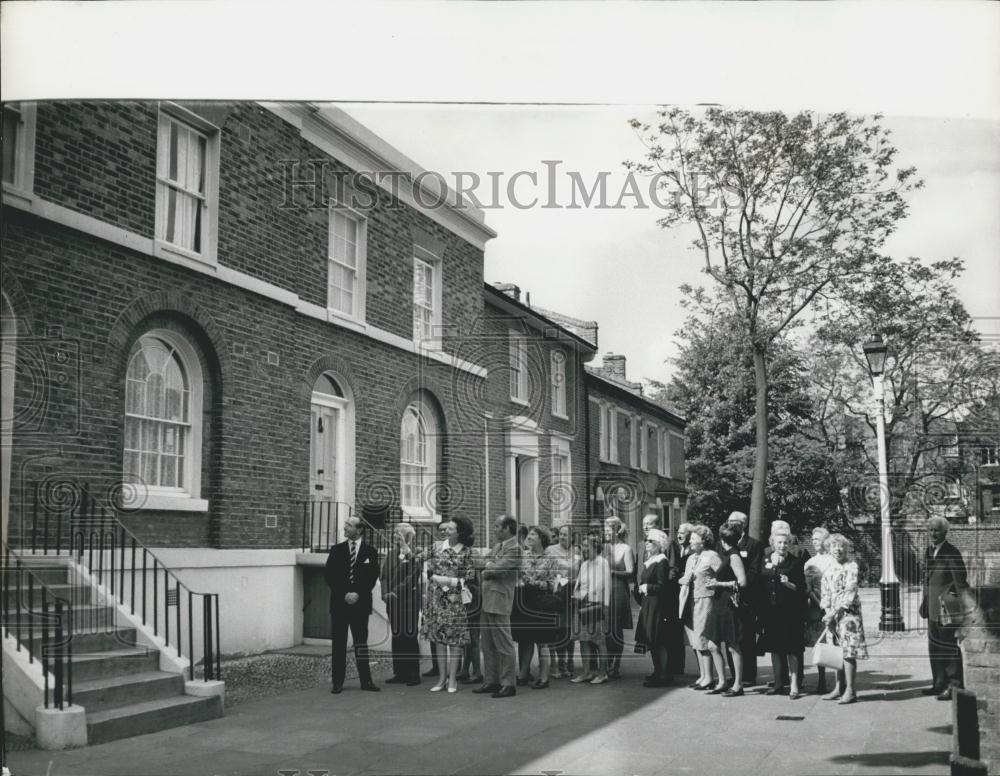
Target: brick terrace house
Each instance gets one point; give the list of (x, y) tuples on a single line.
[(231, 343), (206, 343), (636, 451), (538, 411)]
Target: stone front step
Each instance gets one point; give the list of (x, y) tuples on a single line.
[(86, 639), (148, 717), (113, 692), (98, 665)]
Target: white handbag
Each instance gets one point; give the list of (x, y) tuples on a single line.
[(827, 655)]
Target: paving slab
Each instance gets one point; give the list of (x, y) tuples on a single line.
[(616, 728)]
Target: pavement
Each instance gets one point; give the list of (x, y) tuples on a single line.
[(617, 728)]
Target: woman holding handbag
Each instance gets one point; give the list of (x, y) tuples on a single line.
[(783, 612), (814, 570), (730, 585), (591, 598), (536, 607), (703, 621), (843, 615), (449, 570), (658, 609), (567, 556)]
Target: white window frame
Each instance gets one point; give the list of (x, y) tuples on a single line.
[(186, 498), (670, 461), (561, 514), (428, 339), (518, 347), (23, 184), (662, 452), (990, 455), (613, 434), (602, 431), (427, 416), (643, 446), (557, 376), (361, 263), (210, 202), (633, 442)]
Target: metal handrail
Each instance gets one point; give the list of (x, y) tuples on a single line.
[(55, 646), (89, 529)]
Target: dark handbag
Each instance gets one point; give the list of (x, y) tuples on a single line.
[(539, 601)]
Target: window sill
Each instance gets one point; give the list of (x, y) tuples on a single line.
[(19, 195), (160, 503), (414, 515), (347, 321), (560, 416), (166, 250), (522, 402)]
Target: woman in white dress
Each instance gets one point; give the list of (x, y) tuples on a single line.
[(815, 568)]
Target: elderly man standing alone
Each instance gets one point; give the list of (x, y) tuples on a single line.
[(499, 578), (945, 581)]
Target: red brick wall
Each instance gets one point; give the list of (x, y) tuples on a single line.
[(93, 299)]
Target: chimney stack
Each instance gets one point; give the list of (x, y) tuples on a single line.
[(614, 365), (511, 290)]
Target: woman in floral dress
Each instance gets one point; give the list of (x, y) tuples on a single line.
[(449, 570), (843, 615)]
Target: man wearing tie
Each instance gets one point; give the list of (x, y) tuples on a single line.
[(351, 573), (499, 577), (946, 578)]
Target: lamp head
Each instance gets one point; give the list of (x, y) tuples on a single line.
[(875, 351)]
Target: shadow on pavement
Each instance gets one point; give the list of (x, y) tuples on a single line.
[(893, 759)]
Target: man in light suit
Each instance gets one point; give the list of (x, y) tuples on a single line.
[(351, 574), (499, 578), (945, 576)]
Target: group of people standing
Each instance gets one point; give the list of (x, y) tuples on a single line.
[(486, 616)]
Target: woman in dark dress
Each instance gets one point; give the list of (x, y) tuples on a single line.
[(659, 607), (621, 561), (731, 583), (783, 610), (401, 586)]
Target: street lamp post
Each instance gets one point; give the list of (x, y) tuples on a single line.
[(892, 617)]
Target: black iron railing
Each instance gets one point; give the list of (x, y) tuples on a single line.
[(41, 622), (128, 572), (323, 521)]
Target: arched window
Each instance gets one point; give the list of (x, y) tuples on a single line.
[(163, 401), (418, 460)]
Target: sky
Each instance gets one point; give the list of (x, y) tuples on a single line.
[(617, 266), (503, 87)]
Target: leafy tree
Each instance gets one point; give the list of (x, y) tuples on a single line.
[(936, 373), (783, 208), (713, 387)]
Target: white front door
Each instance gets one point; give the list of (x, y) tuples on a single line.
[(527, 490), (323, 480)]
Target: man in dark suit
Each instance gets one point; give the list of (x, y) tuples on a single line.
[(752, 554), (945, 576), (499, 577), (351, 574)]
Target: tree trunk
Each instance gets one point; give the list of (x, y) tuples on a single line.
[(760, 459)]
